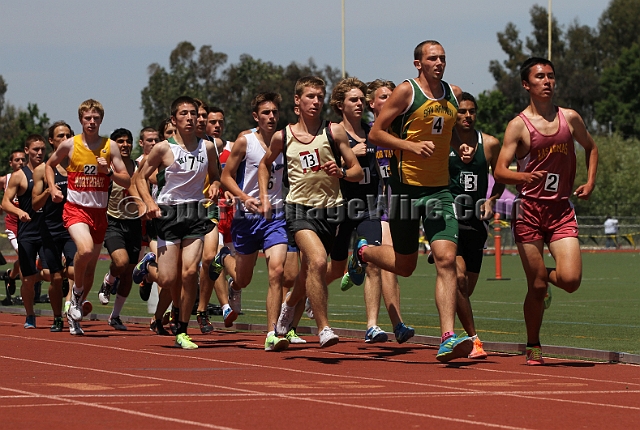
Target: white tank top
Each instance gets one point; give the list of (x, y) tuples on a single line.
[(184, 180), (247, 174)]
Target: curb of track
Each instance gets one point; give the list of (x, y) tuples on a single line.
[(506, 347)]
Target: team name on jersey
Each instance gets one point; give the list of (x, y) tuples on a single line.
[(89, 181), (438, 108), (384, 153), (562, 148), (190, 161)]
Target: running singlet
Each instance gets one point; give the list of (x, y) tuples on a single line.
[(29, 230), (184, 179), (247, 173), (368, 186), (53, 211), (309, 185), (471, 179), (555, 154), (425, 119), (87, 187), (11, 220)]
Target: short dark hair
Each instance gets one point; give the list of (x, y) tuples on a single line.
[(147, 130), (57, 124), (15, 151), (309, 81), (182, 100), (417, 53), (341, 89), (120, 132), (31, 139), (216, 109), (260, 98), (201, 104), (525, 69), (468, 97)]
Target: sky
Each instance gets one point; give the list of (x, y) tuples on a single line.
[(57, 54)]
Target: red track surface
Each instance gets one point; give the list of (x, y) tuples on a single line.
[(135, 379)]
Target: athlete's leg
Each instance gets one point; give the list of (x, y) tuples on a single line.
[(531, 255), (390, 287), (275, 259), (464, 311), (191, 256), (568, 271), (444, 253), (314, 259), (86, 256), (209, 251)]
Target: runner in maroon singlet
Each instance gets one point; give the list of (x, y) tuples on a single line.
[(541, 138)]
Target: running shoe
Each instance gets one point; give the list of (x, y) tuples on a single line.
[(173, 320), (107, 289), (327, 337), (478, 351), (346, 282), (547, 298), (116, 323), (275, 343), (430, 258), (145, 290), (57, 325), (87, 307), (74, 327), (11, 282), (403, 333), (30, 321), (375, 335), (534, 356), (183, 341), (285, 318), (356, 267), (293, 337), (229, 316), (66, 307), (454, 347), (216, 266), (142, 268), (75, 309), (204, 323), (308, 309), (157, 327), (235, 298)]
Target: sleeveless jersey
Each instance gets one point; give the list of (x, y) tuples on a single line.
[(86, 186), (247, 173), (29, 230), (184, 180), (53, 211), (425, 119), (10, 220), (554, 153), (116, 194), (369, 184), (471, 179), (309, 185)]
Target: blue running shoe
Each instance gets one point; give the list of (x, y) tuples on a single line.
[(356, 267), (455, 347), (216, 266), (142, 268), (403, 333), (30, 321), (375, 335)]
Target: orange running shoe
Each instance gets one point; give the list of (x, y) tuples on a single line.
[(477, 352), (534, 356)]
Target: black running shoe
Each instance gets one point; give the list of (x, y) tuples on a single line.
[(57, 325), (145, 290)]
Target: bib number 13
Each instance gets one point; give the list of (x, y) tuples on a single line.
[(552, 182)]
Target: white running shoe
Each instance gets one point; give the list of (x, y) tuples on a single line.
[(285, 319), (327, 337)]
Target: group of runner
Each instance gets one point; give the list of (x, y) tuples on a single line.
[(206, 207)]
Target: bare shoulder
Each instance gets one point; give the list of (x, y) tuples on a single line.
[(39, 170), (490, 141), (457, 91), (339, 132), (516, 125), (572, 117)]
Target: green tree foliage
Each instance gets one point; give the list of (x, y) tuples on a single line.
[(494, 113), (619, 28), (15, 125), (621, 85), (231, 89)]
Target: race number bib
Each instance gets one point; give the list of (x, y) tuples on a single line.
[(438, 125), (551, 182), (367, 176), (469, 181), (385, 172), (310, 161), (90, 169)]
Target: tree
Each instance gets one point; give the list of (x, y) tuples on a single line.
[(619, 28), (621, 85), (231, 89), (494, 113)]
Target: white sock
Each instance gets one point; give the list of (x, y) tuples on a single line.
[(77, 290), (271, 333), (225, 307), (118, 305), (110, 278)]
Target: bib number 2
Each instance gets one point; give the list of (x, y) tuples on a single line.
[(552, 182)]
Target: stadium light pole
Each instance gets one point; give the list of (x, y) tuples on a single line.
[(343, 53), (548, 31)]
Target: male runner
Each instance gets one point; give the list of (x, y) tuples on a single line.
[(420, 115), (183, 163), (16, 161), (56, 240), (250, 230), (21, 186), (541, 138), (123, 238), (472, 152), (93, 162), (314, 204)]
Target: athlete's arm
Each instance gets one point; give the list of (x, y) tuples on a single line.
[(582, 136), (228, 179), (40, 193), (213, 172), (354, 171), (491, 152), (15, 183), (512, 140), (65, 149), (397, 103), (264, 172), (153, 161), (120, 174), (457, 91)]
